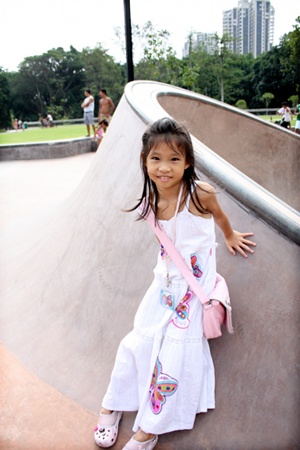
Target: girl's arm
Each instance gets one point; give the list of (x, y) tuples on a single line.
[(234, 239)]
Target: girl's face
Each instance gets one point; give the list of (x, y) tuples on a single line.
[(166, 165)]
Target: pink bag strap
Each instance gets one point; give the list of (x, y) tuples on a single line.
[(177, 258)]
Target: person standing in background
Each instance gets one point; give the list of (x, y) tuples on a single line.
[(106, 106), (88, 106), (297, 124), (49, 120), (286, 114)]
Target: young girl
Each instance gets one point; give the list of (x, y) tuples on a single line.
[(163, 367), (100, 131)]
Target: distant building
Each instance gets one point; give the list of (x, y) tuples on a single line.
[(251, 27), (205, 41), (261, 33)]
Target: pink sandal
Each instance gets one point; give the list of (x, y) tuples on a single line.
[(106, 431), (135, 445)]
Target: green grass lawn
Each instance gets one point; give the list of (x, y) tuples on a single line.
[(39, 134), (275, 118)]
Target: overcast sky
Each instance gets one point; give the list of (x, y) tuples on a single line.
[(32, 27)]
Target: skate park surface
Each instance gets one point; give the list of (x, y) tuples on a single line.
[(74, 268)]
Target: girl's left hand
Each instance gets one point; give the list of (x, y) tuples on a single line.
[(238, 242)]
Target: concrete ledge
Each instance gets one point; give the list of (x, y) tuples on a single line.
[(47, 150)]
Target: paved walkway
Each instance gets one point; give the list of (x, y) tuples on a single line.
[(27, 187)]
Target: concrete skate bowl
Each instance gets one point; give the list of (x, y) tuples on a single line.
[(71, 282), (265, 152)]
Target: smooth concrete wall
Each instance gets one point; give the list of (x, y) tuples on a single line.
[(267, 153), (46, 150)]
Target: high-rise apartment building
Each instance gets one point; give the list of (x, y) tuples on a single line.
[(261, 32), (206, 41), (251, 27), (230, 27)]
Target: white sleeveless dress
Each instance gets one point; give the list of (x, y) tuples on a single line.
[(163, 367)]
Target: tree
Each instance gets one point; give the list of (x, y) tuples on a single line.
[(154, 58), (155, 53), (241, 104), (223, 52), (267, 77), (267, 97), (5, 101), (30, 88), (101, 71), (198, 72), (66, 82), (294, 99), (292, 41), (278, 71), (51, 82)]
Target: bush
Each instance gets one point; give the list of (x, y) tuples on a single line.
[(241, 104)]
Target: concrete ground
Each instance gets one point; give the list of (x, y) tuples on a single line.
[(27, 187)]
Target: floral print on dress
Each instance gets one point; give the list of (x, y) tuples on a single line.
[(162, 386), (167, 299), (197, 269), (181, 318)]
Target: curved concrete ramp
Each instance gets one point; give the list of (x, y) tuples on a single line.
[(267, 153), (71, 282)]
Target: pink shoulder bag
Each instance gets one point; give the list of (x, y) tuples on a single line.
[(217, 309)]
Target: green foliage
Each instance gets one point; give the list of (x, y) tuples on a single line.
[(156, 56), (267, 97), (241, 104), (294, 99), (54, 81), (101, 71), (293, 43), (221, 73), (5, 101), (278, 71)]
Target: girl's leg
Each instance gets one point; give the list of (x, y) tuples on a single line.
[(141, 436), (141, 440), (105, 411)]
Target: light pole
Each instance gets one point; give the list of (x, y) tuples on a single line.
[(130, 71)]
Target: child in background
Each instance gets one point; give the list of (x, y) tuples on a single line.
[(163, 368), (286, 114), (101, 130)]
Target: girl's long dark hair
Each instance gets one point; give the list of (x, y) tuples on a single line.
[(167, 131)]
